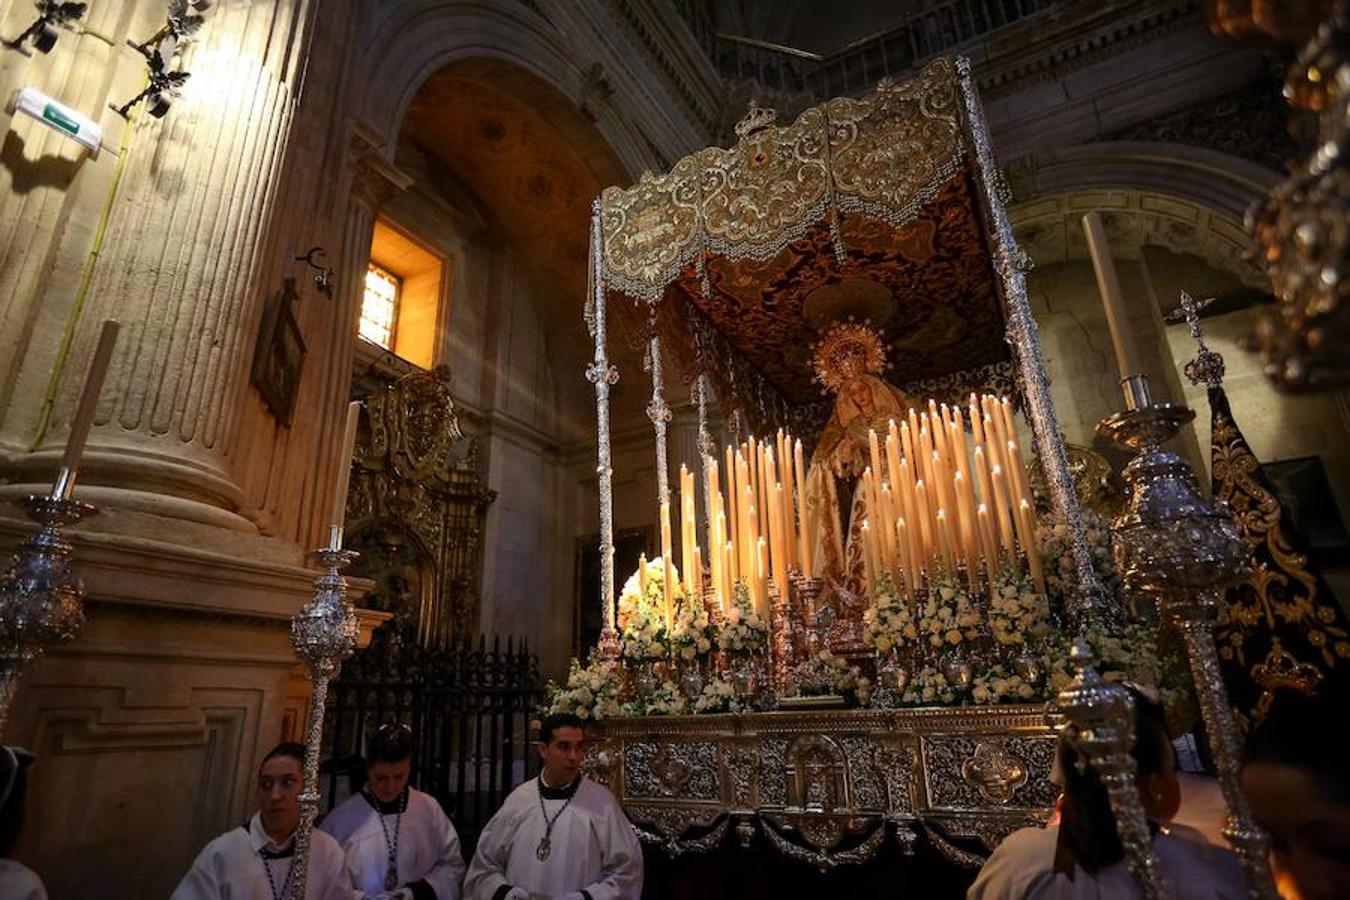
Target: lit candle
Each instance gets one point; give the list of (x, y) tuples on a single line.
[(927, 539), (783, 458), (1030, 546), (85, 410), (945, 533), (761, 572), (1117, 316), (907, 565), (642, 575), (338, 514), (874, 447), (887, 532), (667, 566), (780, 561), (729, 566), (696, 598), (989, 543), (686, 521), (976, 420), (806, 533), (1002, 507), (869, 555)]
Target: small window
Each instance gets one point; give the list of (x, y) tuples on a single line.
[(379, 306), (401, 307)]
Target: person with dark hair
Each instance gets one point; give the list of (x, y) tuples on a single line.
[(17, 881), (253, 861), (1082, 858), (1296, 775), (399, 842), (558, 836)]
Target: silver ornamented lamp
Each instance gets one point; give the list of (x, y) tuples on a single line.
[(1175, 546), (41, 600)]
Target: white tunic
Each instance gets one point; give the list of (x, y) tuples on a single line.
[(1023, 867), (231, 868), (594, 850), (428, 847), (18, 882)]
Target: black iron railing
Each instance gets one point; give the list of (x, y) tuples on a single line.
[(924, 34), (469, 708)]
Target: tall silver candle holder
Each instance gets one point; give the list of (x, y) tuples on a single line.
[(1174, 545), (41, 600), (1100, 724), (323, 634)]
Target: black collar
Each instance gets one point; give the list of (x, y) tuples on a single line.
[(284, 853), (562, 793), (398, 805)]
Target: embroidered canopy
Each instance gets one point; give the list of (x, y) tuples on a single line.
[(737, 257)]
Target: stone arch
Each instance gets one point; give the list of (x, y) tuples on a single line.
[(1189, 200), (414, 41), (1217, 181)]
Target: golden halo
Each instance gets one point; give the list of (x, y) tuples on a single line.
[(845, 351)]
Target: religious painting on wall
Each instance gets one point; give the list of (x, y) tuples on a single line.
[(279, 355)]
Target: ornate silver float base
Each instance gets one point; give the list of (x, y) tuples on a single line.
[(829, 787)]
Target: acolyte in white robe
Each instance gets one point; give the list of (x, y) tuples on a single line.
[(429, 859), (18, 882), (594, 850), (1023, 866), (231, 868)]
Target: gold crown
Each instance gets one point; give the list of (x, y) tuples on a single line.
[(757, 118), (846, 350), (1282, 670)]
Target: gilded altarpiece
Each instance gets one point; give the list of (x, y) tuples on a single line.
[(416, 509)]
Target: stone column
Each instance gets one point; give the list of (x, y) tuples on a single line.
[(188, 205)]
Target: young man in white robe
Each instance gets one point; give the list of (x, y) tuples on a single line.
[(399, 843), (17, 881), (560, 836), (253, 861)]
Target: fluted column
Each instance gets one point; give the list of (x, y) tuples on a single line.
[(188, 217)]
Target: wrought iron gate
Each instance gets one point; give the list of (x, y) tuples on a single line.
[(469, 707)]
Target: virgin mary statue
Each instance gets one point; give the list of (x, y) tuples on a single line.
[(849, 361)]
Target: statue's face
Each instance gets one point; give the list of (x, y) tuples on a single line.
[(861, 395)]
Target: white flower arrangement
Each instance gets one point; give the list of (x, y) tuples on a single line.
[(719, 696), (693, 634), (928, 685), (666, 700), (1017, 611), (644, 638), (1130, 654), (996, 684), (888, 622), (642, 620), (826, 673), (742, 631), (591, 693), (947, 617), (1057, 553)]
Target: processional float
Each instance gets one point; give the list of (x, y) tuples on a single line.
[(864, 249)]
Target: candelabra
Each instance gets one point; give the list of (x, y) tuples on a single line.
[(1176, 546), (1100, 724), (323, 634), (41, 601)]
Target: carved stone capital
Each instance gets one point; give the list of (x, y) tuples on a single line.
[(375, 180)]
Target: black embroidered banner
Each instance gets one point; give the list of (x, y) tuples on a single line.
[(1281, 627)]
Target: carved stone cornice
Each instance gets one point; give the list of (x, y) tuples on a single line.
[(375, 180), (1249, 123)]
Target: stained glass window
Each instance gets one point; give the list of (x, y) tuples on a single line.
[(379, 306)]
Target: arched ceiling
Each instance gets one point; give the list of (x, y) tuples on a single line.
[(530, 158)]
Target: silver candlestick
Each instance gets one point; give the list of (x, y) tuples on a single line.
[(1174, 545), (1100, 723), (41, 601), (323, 633)]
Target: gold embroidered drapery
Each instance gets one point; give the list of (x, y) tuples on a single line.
[(1281, 628), (720, 254)]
